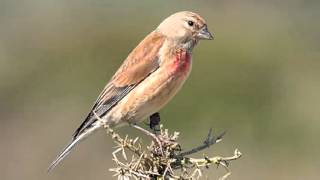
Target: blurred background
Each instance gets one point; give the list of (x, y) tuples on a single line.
[(259, 80)]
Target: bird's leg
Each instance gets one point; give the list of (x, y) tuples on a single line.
[(154, 137), (154, 122)]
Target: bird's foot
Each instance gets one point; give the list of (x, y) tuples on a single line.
[(155, 122)]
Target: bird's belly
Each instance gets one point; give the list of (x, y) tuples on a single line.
[(150, 95), (155, 99)]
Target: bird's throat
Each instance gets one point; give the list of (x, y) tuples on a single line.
[(189, 45)]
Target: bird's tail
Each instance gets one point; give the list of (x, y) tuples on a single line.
[(72, 144)]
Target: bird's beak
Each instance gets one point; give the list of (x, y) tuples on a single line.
[(204, 33)]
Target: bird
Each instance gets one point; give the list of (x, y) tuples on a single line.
[(150, 76)]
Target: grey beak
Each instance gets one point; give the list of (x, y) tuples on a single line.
[(204, 33)]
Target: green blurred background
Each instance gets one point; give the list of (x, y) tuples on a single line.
[(259, 80)]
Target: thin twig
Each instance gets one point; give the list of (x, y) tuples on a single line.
[(210, 140)]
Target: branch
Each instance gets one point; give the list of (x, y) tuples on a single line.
[(147, 163), (150, 165)]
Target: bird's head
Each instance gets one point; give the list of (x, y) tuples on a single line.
[(184, 27)]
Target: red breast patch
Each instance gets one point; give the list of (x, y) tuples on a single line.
[(182, 61)]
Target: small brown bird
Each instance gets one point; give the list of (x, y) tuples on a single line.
[(149, 77)]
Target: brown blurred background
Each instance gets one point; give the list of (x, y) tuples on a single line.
[(259, 80)]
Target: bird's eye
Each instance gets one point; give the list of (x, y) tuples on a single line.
[(190, 23)]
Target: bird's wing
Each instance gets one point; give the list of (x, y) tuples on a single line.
[(140, 63)]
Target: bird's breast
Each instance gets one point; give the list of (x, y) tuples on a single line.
[(156, 90)]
